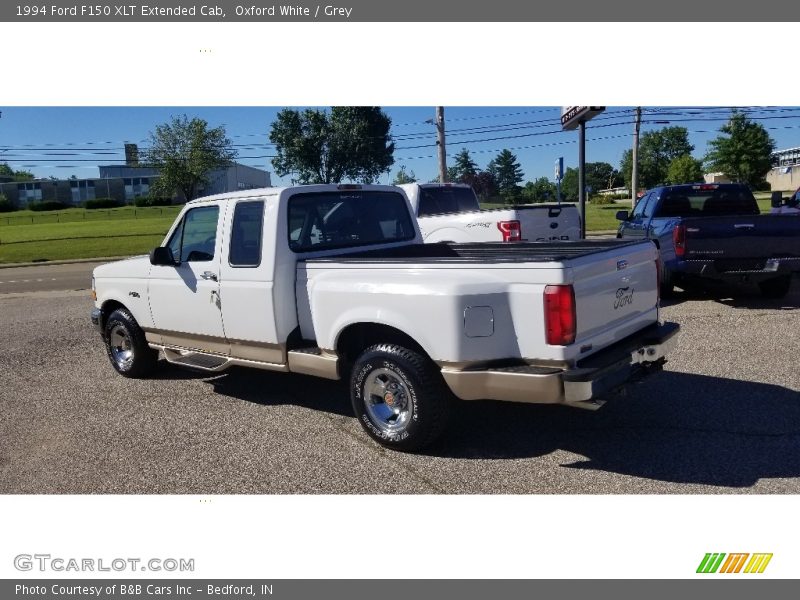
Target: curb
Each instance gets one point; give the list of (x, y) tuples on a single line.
[(66, 261)]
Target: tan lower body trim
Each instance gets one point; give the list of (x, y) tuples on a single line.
[(248, 350), (324, 364), (508, 386)]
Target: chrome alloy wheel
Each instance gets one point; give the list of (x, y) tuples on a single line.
[(388, 401), (119, 341)]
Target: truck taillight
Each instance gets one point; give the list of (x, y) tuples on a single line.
[(511, 230), (560, 321), (679, 240)]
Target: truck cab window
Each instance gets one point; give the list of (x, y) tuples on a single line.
[(320, 221), (638, 210), (196, 236), (245, 247)]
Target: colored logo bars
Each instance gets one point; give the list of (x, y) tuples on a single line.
[(713, 563)]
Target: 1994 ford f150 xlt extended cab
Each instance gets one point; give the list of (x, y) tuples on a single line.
[(335, 282)]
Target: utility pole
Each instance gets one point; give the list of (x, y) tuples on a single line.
[(582, 176), (635, 155), (440, 143)]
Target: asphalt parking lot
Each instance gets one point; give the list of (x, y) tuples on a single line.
[(723, 417)]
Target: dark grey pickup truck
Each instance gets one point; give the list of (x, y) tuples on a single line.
[(716, 231)]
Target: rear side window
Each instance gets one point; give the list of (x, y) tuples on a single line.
[(441, 200), (195, 237), (248, 223), (346, 219), (708, 201)]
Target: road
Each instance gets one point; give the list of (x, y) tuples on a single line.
[(47, 277), (723, 417)]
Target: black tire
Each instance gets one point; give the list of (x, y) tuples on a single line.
[(667, 283), (416, 392), (776, 288), (127, 347)]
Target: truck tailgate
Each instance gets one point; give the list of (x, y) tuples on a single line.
[(616, 293), (741, 243)]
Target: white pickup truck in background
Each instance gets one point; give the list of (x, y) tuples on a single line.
[(450, 212), (335, 282)]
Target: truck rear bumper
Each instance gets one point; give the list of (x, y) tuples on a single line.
[(580, 386), (754, 270)]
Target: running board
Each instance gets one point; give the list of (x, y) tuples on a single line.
[(197, 360), (213, 363)]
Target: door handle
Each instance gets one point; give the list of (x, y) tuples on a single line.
[(209, 275)]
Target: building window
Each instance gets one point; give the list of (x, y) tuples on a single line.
[(136, 187), (245, 186), (29, 192), (82, 190)]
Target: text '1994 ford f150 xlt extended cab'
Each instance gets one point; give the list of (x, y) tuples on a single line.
[(335, 282)]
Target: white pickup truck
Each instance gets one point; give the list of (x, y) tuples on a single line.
[(335, 282), (450, 212)]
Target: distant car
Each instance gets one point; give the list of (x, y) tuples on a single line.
[(716, 231)]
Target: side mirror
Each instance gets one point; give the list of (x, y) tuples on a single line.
[(622, 215), (776, 199), (162, 256)]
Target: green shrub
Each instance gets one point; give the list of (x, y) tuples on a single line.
[(5, 204), (152, 201), (602, 200), (48, 205), (101, 203)]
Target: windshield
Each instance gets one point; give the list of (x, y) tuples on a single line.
[(705, 201), (345, 219), (439, 200)]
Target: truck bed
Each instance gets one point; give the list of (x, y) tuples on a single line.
[(522, 252)]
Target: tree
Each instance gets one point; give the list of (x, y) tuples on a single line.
[(464, 167), (348, 143), (507, 174), (484, 185), (569, 185), (6, 171), (601, 176), (743, 152), (403, 177), (540, 190), (451, 176), (657, 149), (685, 169), (185, 151)]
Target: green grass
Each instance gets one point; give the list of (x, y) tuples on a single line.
[(27, 236)]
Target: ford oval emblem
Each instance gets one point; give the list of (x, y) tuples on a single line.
[(622, 264)]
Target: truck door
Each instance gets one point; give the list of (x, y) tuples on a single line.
[(184, 298), (636, 226), (247, 283)]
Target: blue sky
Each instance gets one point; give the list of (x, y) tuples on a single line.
[(53, 141)]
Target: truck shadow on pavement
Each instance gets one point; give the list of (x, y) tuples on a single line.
[(744, 296), (262, 387), (672, 427)]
